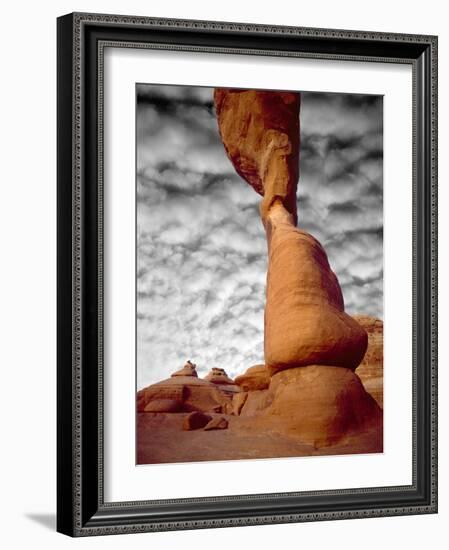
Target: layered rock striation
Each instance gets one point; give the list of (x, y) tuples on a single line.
[(183, 391), (227, 385)]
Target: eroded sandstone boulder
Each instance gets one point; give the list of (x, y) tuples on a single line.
[(255, 378), (218, 376), (323, 404), (193, 393), (305, 321), (319, 405), (226, 385)]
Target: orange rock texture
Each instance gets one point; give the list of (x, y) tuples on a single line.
[(218, 376), (371, 369), (255, 378), (305, 322), (260, 132), (317, 404), (189, 392), (307, 332), (189, 369)]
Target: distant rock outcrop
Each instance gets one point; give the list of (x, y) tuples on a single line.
[(255, 378), (189, 369), (371, 369), (218, 376), (185, 391), (191, 392)]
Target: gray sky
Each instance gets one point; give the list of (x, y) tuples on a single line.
[(201, 248)]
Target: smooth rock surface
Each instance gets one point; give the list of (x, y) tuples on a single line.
[(255, 378), (305, 322), (320, 405), (256, 402)]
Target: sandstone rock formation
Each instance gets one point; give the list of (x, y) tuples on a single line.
[(371, 368), (255, 378), (307, 332), (192, 393), (238, 401), (189, 369), (312, 394), (226, 385), (257, 402), (318, 404), (305, 322), (260, 132), (218, 376)]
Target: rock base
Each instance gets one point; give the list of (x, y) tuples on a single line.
[(320, 405)]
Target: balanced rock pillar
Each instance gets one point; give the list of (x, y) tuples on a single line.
[(305, 323)]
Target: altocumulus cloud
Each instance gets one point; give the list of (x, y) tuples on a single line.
[(201, 249)]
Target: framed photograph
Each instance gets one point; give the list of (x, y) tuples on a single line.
[(247, 279)]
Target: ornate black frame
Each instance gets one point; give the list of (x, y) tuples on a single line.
[(81, 510)]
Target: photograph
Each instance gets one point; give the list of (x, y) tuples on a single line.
[(259, 273), (247, 278)]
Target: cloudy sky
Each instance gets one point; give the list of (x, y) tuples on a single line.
[(201, 248)]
